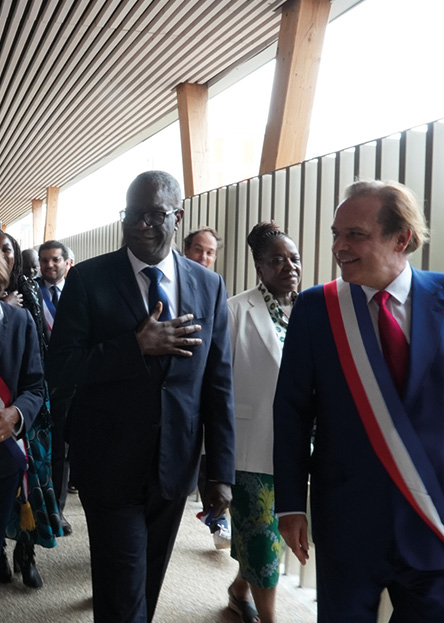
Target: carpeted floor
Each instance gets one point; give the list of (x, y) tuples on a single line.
[(195, 588)]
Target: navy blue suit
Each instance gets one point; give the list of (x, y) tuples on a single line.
[(21, 370), (136, 423), (359, 516)]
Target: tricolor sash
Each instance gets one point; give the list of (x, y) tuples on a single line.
[(49, 309), (15, 447), (379, 405)]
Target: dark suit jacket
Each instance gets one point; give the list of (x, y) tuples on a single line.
[(123, 398), (358, 513), (20, 369)]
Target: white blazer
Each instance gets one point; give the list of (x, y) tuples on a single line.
[(256, 359)]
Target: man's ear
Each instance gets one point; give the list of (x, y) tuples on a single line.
[(258, 270), (179, 217), (402, 239)]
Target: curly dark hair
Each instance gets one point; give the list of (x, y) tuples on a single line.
[(261, 235), (17, 269)]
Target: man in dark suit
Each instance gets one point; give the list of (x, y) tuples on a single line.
[(54, 266), (147, 388), (377, 468)]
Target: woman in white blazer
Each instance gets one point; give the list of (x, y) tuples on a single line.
[(258, 320)]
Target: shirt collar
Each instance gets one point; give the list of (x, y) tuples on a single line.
[(399, 288), (58, 285), (166, 265)]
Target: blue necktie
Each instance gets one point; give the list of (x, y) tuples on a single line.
[(156, 292)]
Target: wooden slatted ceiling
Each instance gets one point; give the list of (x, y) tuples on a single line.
[(78, 78)]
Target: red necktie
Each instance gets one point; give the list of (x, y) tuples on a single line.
[(394, 344)]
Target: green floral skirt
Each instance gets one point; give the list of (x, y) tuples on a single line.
[(255, 540)]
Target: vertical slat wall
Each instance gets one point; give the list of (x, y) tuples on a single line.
[(302, 200)]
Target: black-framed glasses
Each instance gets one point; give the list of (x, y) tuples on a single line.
[(154, 218)]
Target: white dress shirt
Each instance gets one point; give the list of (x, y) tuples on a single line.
[(59, 285), (168, 281), (399, 303)]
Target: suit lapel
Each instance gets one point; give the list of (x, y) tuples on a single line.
[(189, 299), (125, 281), (261, 319), (427, 324)]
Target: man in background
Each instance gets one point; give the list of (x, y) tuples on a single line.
[(202, 245), (54, 265), (31, 264)]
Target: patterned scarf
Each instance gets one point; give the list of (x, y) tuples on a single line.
[(277, 315)]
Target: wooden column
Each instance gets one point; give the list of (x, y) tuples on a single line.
[(37, 222), (52, 199), (192, 101), (301, 38)]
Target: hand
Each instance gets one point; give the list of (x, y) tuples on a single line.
[(217, 495), (294, 529), (9, 417), (167, 338), (14, 298)]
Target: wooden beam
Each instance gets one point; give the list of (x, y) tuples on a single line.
[(301, 38), (52, 200), (37, 222), (192, 101)]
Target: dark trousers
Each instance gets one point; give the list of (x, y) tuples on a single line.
[(60, 401), (350, 593), (130, 546)]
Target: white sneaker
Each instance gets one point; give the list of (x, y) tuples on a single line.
[(222, 538)]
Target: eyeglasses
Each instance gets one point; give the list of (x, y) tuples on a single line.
[(155, 218)]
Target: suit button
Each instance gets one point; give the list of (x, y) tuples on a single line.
[(164, 385)]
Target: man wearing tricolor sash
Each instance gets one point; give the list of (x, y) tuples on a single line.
[(364, 360), (55, 262)]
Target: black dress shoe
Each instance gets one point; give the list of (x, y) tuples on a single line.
[(66, 526), (5, 569), (24, 561)]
